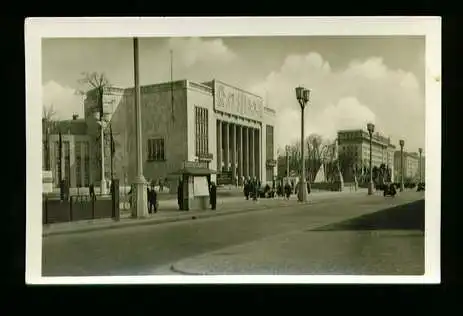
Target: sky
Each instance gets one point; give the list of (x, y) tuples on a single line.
[(354, 80)]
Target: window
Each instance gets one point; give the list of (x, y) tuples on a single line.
[(156, 150), (57, 164), (67, 162), (86, 169), (44, 155), (201, 131), (269, 139)]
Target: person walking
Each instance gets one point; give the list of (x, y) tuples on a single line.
[(213, 196), (153, 201), (180, 195)]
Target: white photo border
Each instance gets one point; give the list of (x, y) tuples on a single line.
[(38, 28)]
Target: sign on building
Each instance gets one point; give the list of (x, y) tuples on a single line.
[(194, 164), (234, 101)]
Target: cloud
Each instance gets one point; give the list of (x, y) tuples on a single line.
[(364, 91), (193, 51), (63, 99)]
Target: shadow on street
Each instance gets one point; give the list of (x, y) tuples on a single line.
[(408, 216)]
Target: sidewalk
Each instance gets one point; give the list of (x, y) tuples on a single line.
[(168, 212)]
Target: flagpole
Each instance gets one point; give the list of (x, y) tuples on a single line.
[(172, 82), (112, 151), (140, 207)]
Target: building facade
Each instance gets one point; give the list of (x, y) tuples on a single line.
[(356, 144), (411, 166), (229, 128)]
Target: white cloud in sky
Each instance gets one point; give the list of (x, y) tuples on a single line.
[(64, 100), (366, 91), (190, 51)]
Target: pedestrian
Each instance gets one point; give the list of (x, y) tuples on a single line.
[(213, 195), (246, 189), (288, 190), (161, 185), (255, 189), (91, 191), (180, 195), (153, 201)]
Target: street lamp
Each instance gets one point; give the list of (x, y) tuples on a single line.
[(420, 150), (371, 129), (101, 121), (287, 162), (303, 96), (141, 204), (401, 143)]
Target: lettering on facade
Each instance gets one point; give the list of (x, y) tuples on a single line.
[(237, 102)]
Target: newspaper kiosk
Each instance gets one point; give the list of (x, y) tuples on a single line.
[(195, 177)]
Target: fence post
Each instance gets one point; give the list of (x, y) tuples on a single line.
[(115, 199)]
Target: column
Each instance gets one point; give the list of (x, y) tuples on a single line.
[(233, 154), (226, 147), (219, 146), (246, 152), (257, 153), (240, 154), (252, 150), (72, 163), (82, 163)]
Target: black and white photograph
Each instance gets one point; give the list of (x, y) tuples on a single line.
[(170, 150)]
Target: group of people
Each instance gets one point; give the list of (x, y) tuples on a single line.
[(152, 197), (252, 189)]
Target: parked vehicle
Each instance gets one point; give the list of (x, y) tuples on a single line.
[(390, 190), (420, 187)]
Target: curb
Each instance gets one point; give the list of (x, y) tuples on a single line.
[(175, 270)]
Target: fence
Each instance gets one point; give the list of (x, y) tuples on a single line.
[(80, 207)]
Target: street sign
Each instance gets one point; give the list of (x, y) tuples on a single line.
[(194, 164)]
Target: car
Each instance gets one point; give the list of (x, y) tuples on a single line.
[(420, 187)]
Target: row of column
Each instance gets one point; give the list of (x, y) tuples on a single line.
[(238, 150)]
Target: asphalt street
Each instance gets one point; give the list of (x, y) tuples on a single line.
[(141, 249)]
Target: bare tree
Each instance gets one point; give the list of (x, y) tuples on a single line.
[(96, 83)]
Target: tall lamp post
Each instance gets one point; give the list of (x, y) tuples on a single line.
[(140, 206), (287, 163), (420, 150), (401, 143), (101, 121), (303, 96), (371, 129)]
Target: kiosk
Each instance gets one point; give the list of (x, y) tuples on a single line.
[(195, 178)]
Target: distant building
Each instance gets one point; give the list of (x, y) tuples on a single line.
[(411, 166), (356, 144), (181, 121)]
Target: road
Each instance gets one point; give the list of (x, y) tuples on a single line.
[(141, 249)]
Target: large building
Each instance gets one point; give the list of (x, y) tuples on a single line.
[(229, 128), (356, 144), (411, 166)]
